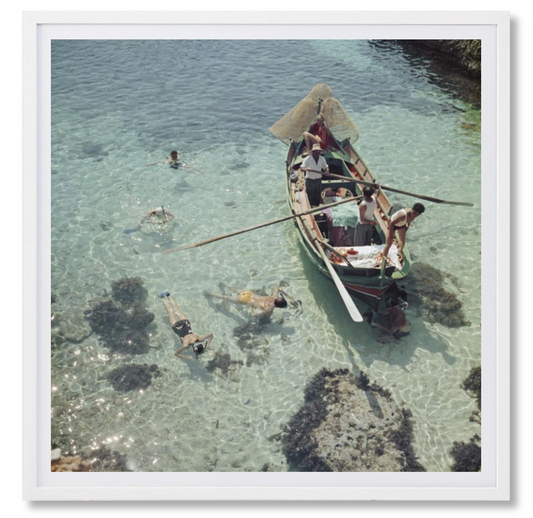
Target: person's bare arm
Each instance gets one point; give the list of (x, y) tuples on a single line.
[(180, 350)]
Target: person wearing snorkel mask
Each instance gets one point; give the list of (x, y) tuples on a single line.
[(182, 327), (262, 305)]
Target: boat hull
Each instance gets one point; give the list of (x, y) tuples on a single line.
[(366, 284)]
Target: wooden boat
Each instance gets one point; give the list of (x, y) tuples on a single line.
[(367, 280)]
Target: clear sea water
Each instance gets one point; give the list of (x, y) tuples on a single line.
[(117, 105)]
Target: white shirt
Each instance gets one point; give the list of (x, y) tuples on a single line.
[(316, 167), (370, 207)]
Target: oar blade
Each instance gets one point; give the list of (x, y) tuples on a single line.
[(346, 297)]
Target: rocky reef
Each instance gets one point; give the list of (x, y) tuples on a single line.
[(133, 377), (104, 460), (467, 455), (348, 424), (121, 321), (455, 64), (472, 384), (465, 54), (425, 288), (68, 463), (100, 460), (129, 290), (221, 362)]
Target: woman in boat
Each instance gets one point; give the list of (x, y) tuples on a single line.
[(314, 166), (182, 327), (318, 134), (263, 306), (400, 221)]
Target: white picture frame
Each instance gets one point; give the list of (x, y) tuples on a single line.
[(493, 482)]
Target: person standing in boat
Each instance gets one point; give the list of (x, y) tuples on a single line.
[(314, 166), (366, 223), (182, 327), (400, 221), (318, 134)]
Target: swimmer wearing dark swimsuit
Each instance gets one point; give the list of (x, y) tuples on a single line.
[(182, 328)]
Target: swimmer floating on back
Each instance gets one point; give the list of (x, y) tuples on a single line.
[(182, 327), (156, 216)]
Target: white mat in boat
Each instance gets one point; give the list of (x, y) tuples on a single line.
[(367, 256)]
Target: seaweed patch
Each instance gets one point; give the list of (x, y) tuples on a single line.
[(121, 322), (437, 304), (133, 377), (467, 455)]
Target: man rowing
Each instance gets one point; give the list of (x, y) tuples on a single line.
[(314, 166)]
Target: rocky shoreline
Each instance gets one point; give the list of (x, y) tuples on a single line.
[(457, 62)]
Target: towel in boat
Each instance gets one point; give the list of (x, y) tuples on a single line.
[(346, 215), (367, 256)]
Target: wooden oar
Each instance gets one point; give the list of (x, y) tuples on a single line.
[(261, 225), (346, 298), (392, 189)]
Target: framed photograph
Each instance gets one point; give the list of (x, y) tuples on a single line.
[(273, 248)]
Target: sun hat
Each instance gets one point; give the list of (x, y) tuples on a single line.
[(316, 147)]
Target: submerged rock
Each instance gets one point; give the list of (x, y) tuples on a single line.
[(73, 326), (425, 286), (129, 290), (133, 377), (347, 424), (221, 361), (104, 460), (472, 384), (68, 463), (467, 455), (121, 327)]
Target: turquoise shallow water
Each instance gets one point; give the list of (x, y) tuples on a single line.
[(117, 105)]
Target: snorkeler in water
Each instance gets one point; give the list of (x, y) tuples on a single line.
[(175, 163), (181, 325), (173, 160), (262, 305), (156, 216)]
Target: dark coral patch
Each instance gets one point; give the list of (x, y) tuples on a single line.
[(129, 290), (133, 377), (426, 286), (467, 456)]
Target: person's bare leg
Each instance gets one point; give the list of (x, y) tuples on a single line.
[(170, 312), (310, 139), (178, 315), (224, 297), (232, 288)]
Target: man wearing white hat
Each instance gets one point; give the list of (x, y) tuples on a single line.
[(314, 166)]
